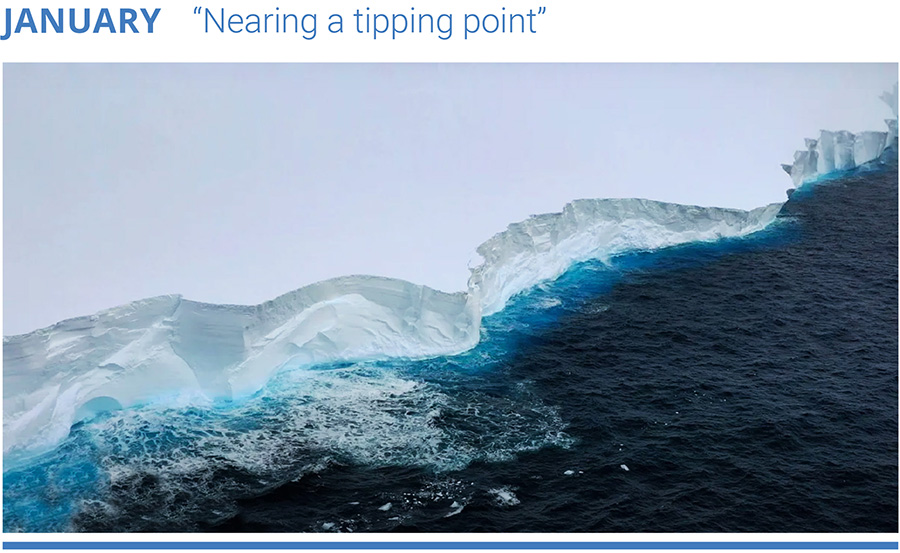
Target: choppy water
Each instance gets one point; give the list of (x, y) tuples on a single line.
[(747, 385)]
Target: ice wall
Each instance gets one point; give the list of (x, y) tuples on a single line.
[(172, 349), (545, 246), (843, 150)]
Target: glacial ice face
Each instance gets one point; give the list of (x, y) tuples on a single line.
[(175, 350), (805, 162), (545, 246), (839, 151), (825, 153), (868, 146), (169, 348), (843, 150)]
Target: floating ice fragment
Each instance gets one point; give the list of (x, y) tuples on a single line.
[(624, 467), (457, 508), (569, 472), (386, 507), (504, 497)]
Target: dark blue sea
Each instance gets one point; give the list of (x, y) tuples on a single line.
[(744, 385)]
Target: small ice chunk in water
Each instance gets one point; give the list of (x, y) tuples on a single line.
[(386, 507), (624, 467), (327, 525), (457, 508), (505, 497), (569, 472)]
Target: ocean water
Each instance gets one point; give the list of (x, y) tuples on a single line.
[(742, 385)]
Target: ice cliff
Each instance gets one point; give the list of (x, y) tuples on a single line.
[(842, 150), (545, 246), (173, 349), (170, 348)]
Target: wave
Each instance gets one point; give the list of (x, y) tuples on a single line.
[(171, 350)]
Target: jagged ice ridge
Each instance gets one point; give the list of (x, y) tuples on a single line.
[(842, 150)]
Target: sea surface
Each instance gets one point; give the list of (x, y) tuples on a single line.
[(743, 385)]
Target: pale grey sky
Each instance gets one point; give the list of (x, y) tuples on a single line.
[(237, 183)]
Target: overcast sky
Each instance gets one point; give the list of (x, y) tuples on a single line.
[(237, 183)]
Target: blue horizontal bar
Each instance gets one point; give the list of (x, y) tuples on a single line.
[(506, 545)]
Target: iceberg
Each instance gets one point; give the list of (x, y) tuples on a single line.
[(171, 349)]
